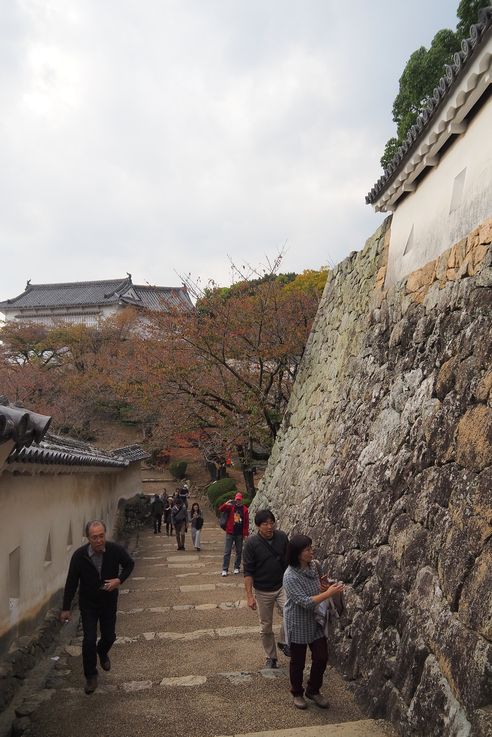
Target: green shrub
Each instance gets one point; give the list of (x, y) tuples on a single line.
[(218, 488), (178, 469), (225, 497)]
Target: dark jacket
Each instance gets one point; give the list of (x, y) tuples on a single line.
[(179, 514), (266, 562), (157, 507), (230, 508), (117, 563)]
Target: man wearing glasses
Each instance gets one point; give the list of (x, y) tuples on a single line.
[(264, 563)]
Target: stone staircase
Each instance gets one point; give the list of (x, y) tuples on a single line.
[(188, 662)]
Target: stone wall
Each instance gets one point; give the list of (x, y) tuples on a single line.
[(384, 459)]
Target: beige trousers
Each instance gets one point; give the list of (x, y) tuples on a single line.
[(266, 601)]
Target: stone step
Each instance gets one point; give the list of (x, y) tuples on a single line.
[(362, 728), (224, 701)]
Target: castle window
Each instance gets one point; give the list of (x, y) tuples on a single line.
[(47, 555), (14, 577), (69, 536)]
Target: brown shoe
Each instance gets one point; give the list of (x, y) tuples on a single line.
[(299, 702), (90, 684), (319, 700)]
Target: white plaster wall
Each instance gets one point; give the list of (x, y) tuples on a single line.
[(88, 317), (428, 208), (34, 506)]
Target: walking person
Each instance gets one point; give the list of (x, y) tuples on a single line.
[(265, 560), (196, 521), (304, 625), (157, 510), (179, 518), (237, 528), (97, 569), (168, 506)]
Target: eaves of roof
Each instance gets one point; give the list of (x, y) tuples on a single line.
[(20, 425), (61, 451), (470, 47), (27, 433), (131, 453)]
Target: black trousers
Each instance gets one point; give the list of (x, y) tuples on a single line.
[(106, 616), (157, 522), (319, 658)]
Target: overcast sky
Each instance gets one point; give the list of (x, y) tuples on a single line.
[(165, 137)]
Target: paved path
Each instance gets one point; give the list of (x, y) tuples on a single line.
[(187, 662)]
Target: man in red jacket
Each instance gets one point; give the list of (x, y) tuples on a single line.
[(237, 529)]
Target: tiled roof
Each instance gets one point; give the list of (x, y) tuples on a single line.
[(62, 451), (98, 293), (131, 453), (20, 425), (479, 32), (33, 444)]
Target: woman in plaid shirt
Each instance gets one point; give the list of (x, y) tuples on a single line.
[(304, 590)]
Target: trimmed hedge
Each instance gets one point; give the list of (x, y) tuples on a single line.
[(178, 469), (219, 488)]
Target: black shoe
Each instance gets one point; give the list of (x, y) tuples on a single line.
[(90, 684), (284, 648), (104, 662), (271, 663)]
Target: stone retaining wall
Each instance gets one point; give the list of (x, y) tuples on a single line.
[(385, 460)]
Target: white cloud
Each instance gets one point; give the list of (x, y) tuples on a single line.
[(160, 137)]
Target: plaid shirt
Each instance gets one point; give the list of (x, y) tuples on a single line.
[(300, 584)]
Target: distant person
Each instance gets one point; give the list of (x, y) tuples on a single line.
[(157, 510), (237, 528), (265, 560), (97, 569), (196, 522), (184, 492), (168, 505), (179, 518), (305, 590)]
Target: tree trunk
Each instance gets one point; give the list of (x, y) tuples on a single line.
[(247, 469)]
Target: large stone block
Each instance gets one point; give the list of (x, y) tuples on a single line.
[(474, 441)]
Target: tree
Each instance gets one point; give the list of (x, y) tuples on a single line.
[(422, 73), (224, 368), (467, 13), (234, 360)]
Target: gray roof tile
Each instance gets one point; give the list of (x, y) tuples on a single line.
[(98, 293), (461, 61)]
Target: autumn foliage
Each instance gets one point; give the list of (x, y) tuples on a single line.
[(225, 367)]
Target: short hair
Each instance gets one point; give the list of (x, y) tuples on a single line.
[(263, 515), (94, 522), (297, 544)]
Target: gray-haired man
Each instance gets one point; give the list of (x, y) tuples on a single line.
[(97, 569)]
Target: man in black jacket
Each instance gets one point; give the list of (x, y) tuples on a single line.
[(264, 563), (97, 569)]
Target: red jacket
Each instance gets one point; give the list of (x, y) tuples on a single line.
[(230, 506)]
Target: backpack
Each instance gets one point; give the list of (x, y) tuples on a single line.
[(224, 516), (180, 515)]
